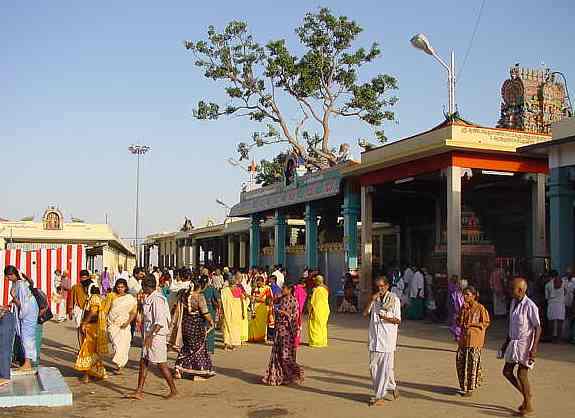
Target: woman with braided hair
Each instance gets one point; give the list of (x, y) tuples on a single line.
[(189, 327)]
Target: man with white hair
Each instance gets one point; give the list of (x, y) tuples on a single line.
[(384, 312)]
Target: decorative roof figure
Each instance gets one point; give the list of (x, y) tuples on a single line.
[(187, 226), (52, 219)]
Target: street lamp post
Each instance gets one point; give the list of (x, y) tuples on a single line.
[(421, 42), (226, 206), (138, 150)]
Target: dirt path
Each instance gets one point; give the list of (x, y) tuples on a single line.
[(337, 381)]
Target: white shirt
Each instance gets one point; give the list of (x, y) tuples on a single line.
[(523, 320), (553, 295), (156, 312), (382, 336), (279, 278), (134, 286), (416, 284)]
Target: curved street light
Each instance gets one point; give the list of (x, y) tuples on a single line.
[(421, 42)]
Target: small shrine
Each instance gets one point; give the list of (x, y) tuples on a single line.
[(473, 237), (52, 219)]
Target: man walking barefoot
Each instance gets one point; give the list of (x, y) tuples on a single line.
[(522, 343), (384, 312), (156, 317)]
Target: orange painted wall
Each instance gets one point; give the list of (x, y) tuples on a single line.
[(482, 161)]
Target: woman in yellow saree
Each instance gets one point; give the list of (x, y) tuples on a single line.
[(318, 314), (243, 288), (261, 299), (232, 320), (93, 337)]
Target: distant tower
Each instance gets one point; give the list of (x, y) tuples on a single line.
[(531, 100)]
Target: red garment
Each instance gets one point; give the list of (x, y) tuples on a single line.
[(237, 292)]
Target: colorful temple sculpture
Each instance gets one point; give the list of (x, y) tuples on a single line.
[(532, 100)]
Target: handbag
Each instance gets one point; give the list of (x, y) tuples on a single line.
[(44, 311)]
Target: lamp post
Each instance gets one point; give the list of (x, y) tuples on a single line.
[(421, 42), (226, 206), (138, 150)]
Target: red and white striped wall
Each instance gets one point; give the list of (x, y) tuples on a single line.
[(40, 264)]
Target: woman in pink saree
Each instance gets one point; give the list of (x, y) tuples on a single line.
[(300, 294)]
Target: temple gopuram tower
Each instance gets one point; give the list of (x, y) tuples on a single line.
[(532, 100)]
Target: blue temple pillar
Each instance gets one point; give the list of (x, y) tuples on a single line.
[(350, 210), (280, 238), (255, 230), (311, 236), (561, 197)]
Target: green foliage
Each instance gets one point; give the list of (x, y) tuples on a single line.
[(270, 172), (324, 82)]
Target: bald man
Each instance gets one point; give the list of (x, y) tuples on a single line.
[(522, 342)]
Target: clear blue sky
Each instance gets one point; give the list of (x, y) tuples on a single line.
[(80, 81)]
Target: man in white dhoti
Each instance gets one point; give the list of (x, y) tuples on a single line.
[(384, 312), (522, 343), (156, 318)]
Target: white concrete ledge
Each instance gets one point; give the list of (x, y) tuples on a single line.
[(46, 388)]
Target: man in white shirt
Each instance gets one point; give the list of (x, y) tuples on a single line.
[(416, 295), (384, 312), (522, 343), (135, 281), (280, 278)]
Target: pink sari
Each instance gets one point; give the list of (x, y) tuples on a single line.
[(300, 295)]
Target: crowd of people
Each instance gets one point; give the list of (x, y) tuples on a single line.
[(170, 309), (182, 309)]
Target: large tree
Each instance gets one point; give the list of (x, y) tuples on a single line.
[(270, 172), (323, 83)]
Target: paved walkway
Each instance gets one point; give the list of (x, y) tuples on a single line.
[(337, 381)]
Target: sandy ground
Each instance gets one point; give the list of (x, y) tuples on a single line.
[(337, 381)]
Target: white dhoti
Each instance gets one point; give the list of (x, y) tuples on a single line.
[(382, 374), (556, 311), (158, 351)]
